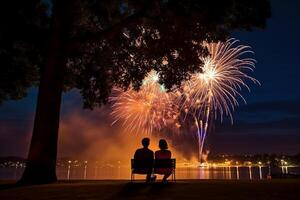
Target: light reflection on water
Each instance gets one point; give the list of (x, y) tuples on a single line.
[(123, 172)]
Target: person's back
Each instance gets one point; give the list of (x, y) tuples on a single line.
[(144, 159), (163, 153), (143, 154)]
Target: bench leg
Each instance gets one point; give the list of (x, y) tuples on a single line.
[(174, 178)]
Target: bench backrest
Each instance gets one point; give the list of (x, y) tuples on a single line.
[(142, 164), (157, 163), (164, 163)]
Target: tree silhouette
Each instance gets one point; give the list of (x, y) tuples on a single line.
[(96, 45), (24, 29)]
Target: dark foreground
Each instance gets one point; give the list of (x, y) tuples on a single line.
[(202, 189)]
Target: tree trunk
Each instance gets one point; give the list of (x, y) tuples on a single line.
[(41, 162)]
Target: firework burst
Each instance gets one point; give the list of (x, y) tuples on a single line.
[(151, 108), (223, 77), (217, 89), (214, 92)]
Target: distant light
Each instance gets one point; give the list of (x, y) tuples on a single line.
[(165, 61), (177, 125)]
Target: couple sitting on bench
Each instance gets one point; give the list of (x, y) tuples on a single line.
[(146, 162)]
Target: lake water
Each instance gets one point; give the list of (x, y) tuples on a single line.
[(123, 172)]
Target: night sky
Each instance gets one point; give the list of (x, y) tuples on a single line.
[(269, 123)]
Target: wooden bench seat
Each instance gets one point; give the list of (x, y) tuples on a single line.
[(151, 166)]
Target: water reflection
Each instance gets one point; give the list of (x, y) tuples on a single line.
[(123, 172), (237, 172), (69, 170), (250, 173), (260, 172), (96, 170), (73, 171), (284, 169)]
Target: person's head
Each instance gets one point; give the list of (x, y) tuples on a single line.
[(163, 145), (145, 142)]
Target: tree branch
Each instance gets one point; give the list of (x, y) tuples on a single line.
[(108, 33)]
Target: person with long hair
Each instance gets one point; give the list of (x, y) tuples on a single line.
[(161, 154)]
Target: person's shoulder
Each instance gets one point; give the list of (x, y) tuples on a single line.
[(158, 152), (144, 150), (167, 152), (138, 150), (151, 151)]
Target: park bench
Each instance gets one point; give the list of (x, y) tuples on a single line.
[(144, 166)]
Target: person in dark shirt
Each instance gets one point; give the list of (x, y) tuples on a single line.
[(163, 153), (146, 156)]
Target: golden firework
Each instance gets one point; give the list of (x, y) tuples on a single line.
[(217, 89), (151, 108)]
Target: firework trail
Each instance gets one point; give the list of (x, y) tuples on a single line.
[(217, 89), (141, 112)]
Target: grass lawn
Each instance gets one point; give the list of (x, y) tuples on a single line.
[(182, 189)]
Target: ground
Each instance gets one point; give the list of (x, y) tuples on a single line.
[(183, 189)]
